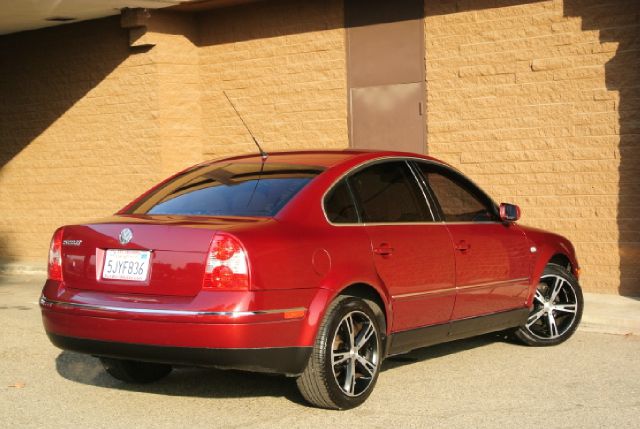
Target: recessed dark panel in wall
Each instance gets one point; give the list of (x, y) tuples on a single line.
[(385, 53), (388, 117)]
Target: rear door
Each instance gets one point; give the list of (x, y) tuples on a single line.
[(492, 258), (413, 255)]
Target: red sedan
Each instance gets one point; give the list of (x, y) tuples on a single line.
[(317, 265)]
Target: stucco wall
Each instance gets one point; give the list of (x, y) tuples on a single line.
[(539, 102)]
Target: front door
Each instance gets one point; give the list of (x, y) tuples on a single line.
[(492, 258), (492, 268), (413, 255)]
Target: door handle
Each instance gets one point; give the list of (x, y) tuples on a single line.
[(462, 246), (383, 250)]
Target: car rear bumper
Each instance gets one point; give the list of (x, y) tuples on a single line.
[(262, 337), (282, 360)]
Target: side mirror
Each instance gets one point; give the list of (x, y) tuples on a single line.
[(509, 212)]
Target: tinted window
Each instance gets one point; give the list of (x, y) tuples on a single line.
[(233, 189), (459, 200), (339, 204), (388, 192)]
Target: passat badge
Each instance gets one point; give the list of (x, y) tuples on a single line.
[(71, 242), (125, 236)]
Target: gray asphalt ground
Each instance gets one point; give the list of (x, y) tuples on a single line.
[(591, 381)]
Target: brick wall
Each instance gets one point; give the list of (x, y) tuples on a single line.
[(77, 130), (282, 63), (87, 123), (179, 116), (539, 102)]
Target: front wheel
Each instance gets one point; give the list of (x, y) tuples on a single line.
[(347, 355), (556, 311)]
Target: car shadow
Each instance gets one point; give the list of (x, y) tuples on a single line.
[(441, 350), (183, 381), (217, 383)]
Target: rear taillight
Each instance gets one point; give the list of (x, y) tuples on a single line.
[(54, 269), (227, 265)]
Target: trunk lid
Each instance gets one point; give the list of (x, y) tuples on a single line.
[(175, 247)]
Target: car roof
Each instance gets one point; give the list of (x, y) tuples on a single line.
[(322, 158)]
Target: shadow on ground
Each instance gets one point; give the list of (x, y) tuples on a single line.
[(215, 383)]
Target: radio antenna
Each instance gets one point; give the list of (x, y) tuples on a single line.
[(263, 154)]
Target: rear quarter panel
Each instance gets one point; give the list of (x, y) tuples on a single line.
[(301, 249), (328, 259)]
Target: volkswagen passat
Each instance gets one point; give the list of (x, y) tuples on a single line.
[(317, 265)]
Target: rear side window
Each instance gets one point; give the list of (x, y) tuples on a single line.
[(459, 200), (339, 204), (232, 189), (388, 192)]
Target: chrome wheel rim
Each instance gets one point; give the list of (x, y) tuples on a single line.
[(555, 307), (354, 353)]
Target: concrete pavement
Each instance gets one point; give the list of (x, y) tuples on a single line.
[(591, 381), (611, 314)]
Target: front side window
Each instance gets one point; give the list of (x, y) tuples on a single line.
[(230, 189), (339, 204), (459, 200), (388, 192)]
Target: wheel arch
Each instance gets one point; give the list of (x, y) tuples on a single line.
[(366, 291), (562, 260), (369, 292), (559, 255)]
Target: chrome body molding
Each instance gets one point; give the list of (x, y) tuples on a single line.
[(45, 302), (429, 292), (457, 288)]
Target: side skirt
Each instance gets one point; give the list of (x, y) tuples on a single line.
[(405, 341)]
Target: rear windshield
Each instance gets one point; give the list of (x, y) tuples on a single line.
[(232, 189)]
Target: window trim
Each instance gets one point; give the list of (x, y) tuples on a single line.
[(353, 170), (467, 184), (352, 197)]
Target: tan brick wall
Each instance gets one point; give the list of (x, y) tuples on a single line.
[(539, 103), (179, 116), (537, 100), (283, 64), (86, 123), (77, 130)]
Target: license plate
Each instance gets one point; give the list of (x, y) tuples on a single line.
[(126, 265)]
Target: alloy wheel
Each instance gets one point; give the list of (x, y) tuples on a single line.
[(555, 308), (354, 353)]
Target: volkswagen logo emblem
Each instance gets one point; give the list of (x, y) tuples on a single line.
[(125, 236)]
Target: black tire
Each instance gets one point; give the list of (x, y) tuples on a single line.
[(323, 387), (135, 372), (555, 314)]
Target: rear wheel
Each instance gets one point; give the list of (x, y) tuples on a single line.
[(556, 311), (346, 359), (135, 372)]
